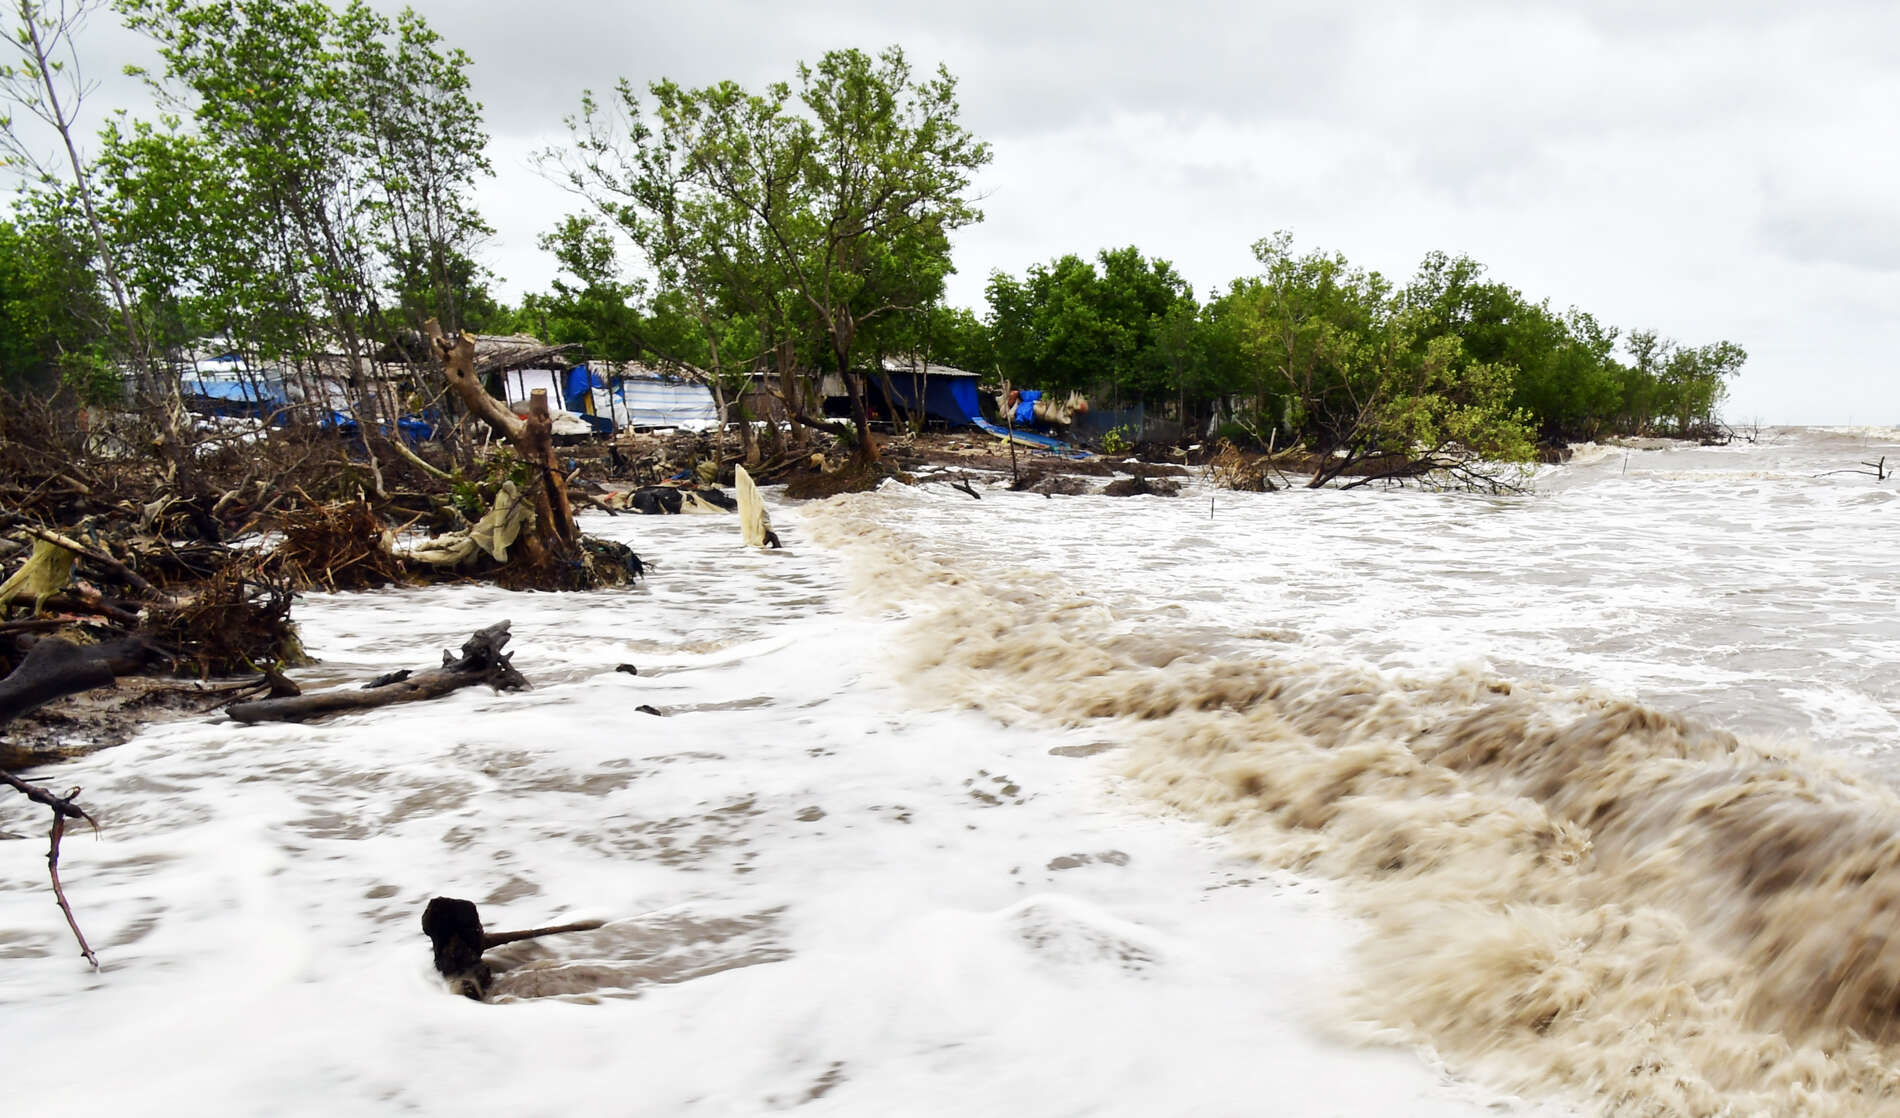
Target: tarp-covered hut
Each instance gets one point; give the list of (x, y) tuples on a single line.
[(514, 366), (941, 392), (226, 385)]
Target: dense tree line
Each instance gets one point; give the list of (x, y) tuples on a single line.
[(1313, 348), (309, 190)]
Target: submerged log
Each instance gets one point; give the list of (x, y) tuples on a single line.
[(482, 661), (454, 928)]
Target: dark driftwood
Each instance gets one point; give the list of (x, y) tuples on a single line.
[(454, 928), (55, 668), (482, 661)]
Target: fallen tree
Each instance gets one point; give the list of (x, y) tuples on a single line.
[(481, 661)]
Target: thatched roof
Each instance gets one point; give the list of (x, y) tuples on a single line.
[(496, 352)]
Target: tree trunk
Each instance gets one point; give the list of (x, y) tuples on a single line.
[(536, 444), (860, 414), (532, 439)]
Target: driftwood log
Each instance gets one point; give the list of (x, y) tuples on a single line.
[(54, 668), (454, 928), (481, 661)]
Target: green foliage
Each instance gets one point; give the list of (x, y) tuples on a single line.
[(468, 499), (1126, 328), (54, 317), (589, 304), (1236, 434), (1375, 390), (1565, 376), (1315, 350), (91, 377), (1117, 440), (809, 216), (1682, 385), (937, 335), (317, 183)]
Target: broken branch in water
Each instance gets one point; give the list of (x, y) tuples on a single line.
[(1878, 469), (51, 669), (454, 928), (52, 869), (63, 808)]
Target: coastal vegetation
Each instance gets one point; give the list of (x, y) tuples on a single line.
[(308, 193)]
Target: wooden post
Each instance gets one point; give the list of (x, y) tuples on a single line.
[(537, 445), (1009, 424)]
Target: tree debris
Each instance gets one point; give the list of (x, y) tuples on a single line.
[(481, 661)]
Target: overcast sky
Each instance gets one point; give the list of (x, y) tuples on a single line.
[(1728, 169)]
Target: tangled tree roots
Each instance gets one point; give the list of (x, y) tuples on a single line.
[(1233, 468), (851, 478), (341, 546), (238, 622), (601, 563)]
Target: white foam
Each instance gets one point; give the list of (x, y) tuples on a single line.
[(821, 895), (823, 891)]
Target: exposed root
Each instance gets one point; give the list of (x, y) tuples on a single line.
[(341, 546), (239, 622)]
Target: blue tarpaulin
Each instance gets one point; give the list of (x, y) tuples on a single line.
[(414, 429), (226, 390), (1031, 439), (952, 399), (579, 390)]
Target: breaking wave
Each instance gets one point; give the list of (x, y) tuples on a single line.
[(1562, 891)]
